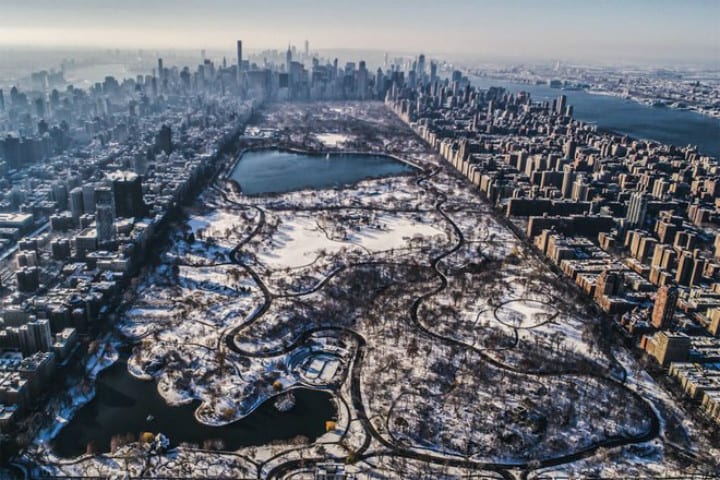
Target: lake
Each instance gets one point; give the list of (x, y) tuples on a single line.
[(122, 405), (665, 125), (277, 171)]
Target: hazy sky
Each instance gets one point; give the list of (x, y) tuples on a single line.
[(573, 29)]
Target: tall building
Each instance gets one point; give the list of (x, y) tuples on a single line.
[(88, 192), (664, 308), (76, 204), (163, 140), (670, 348), (684, 269), (609, 283), (161, 71), (239, 59), (637, 209), (307, 49), (568, 180), (560, 105), (690, 268), (104, 219), (580, 190), (362, 81), (39, 331), (128, 194), (288, 59), (104, 213)]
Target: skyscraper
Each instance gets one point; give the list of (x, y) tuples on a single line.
[(160, 70), (239, 59), (362, 80)]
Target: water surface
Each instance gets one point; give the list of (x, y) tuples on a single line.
[(665, 125), (278, 171), (122, 405)]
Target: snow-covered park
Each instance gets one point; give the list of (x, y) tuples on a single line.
[(450, 349)]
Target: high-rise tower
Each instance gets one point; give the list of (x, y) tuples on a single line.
[(239, 58)]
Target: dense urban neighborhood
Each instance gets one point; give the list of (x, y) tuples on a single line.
[(291, 268)]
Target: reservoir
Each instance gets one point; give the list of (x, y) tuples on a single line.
[(665, 125), (277, 171), (123, 403)]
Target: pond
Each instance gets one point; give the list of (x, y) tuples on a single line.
[(124, 404), (278, 171)]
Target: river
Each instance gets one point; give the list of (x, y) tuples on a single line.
[(665, 125)]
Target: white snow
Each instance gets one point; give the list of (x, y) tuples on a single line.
[(300, 240), (333, 139)]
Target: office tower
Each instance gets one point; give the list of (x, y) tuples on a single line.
[(288, 59), (433, 72), (239, 59), (568, 180), (664, 307), (2, 101), (307, 49), (637, 209), (128, 195)]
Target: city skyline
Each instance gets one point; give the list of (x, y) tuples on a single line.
[(664, 32)]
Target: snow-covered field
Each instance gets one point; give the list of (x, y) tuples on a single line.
[(333, 139), (301, 239)]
